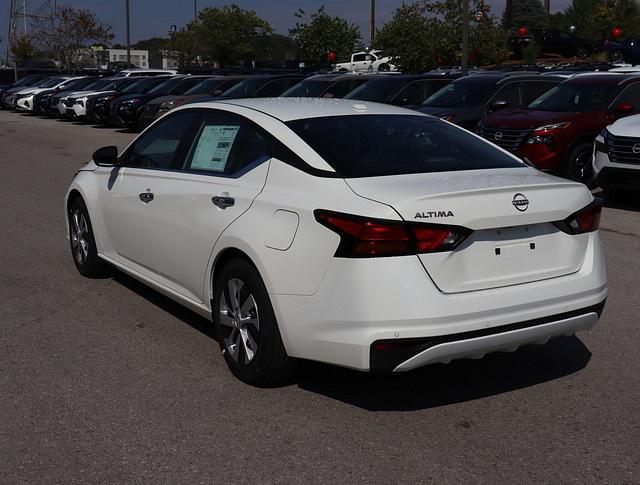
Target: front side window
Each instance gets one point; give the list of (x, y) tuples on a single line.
[(226, 144), (379, 145), (159, 147), (630, 95)]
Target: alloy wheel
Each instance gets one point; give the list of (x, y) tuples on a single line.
[(79, 237)]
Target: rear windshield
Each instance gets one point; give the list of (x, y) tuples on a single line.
[(575, 97), (468, 92), (377, 145)]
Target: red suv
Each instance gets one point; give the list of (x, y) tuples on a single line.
[(556, 131)]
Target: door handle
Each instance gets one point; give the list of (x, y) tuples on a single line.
[(146, 197), (223, 201)]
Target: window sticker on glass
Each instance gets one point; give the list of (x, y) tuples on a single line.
[(214, 147)]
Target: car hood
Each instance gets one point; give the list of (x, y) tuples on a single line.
[(629, 126), (518, 118)]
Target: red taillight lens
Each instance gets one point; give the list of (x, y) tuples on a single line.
[(583, 221), (361, 237)]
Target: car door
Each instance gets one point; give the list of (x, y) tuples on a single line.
[(127, 198), (222, 173), (359, 63)]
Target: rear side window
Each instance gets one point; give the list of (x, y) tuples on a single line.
[(378, 145)]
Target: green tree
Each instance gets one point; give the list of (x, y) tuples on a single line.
[(320, 33), (407, 37), (73, 31), (22, 49), (182, 46), (155, 46), (427, 33), (225, 35), (527, 13), (594, 19)]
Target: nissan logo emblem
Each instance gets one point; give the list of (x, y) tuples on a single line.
[(520, 202), (497, 136), (636, 148)]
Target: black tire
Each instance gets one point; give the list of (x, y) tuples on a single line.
[(82, 241), (384, 68), (578, 165), (268, 364)]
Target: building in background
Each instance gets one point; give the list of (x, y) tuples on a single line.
[(139, 58)]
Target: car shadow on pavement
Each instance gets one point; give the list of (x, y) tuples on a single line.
[(428, 387), (444, 384), (168, 305)]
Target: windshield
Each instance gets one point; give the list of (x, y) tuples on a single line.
[(375, 90), (205, 87), (245, 89), (167, 86), (76, 84), (308, 89), (469, 92), (378, 145), (575, 97), (96, 85), (31, 80), (140, 85), (50, 83)]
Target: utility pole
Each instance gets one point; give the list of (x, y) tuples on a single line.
[(465, 37), (372, 24), (508, 14), (128, 37), (547, 6), (195, 9)]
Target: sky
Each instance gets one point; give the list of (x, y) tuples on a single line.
[(150, 18)]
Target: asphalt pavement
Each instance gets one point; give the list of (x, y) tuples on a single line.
[(108, 381)]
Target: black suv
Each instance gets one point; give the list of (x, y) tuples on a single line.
[(469, 99), (401, 90)]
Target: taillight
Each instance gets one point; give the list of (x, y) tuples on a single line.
[(362, 237), (583, 221)]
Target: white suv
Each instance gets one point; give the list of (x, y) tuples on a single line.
[(616, 156)]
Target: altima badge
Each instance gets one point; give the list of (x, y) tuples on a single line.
[(520, 202)]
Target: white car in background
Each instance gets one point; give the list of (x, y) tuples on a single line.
[(616, 157), (23, 99), (358, 234), (371, 61)]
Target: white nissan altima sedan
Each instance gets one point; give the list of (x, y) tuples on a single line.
[(358, 234)]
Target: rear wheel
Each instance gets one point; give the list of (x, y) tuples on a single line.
[(384, 68), (246, 326), (83, 244), (578, 165)]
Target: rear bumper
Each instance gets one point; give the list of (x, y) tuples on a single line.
[(475, 345), (360, 302)]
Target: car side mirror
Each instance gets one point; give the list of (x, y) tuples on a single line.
[(499, 104), (623, 109), (106, 156)]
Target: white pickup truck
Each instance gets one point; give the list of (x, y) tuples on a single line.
[(371, 61)]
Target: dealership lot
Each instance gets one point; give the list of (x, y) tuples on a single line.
[(105, 380)]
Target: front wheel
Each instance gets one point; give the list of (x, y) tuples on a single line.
[(578, 165), (83, 243), (246, 326), (384, 68)]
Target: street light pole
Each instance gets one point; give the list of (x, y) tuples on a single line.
[(128, 37), (465, 37), (195, 9)]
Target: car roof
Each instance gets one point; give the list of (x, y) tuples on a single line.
[(604, 78), (288, 109)]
